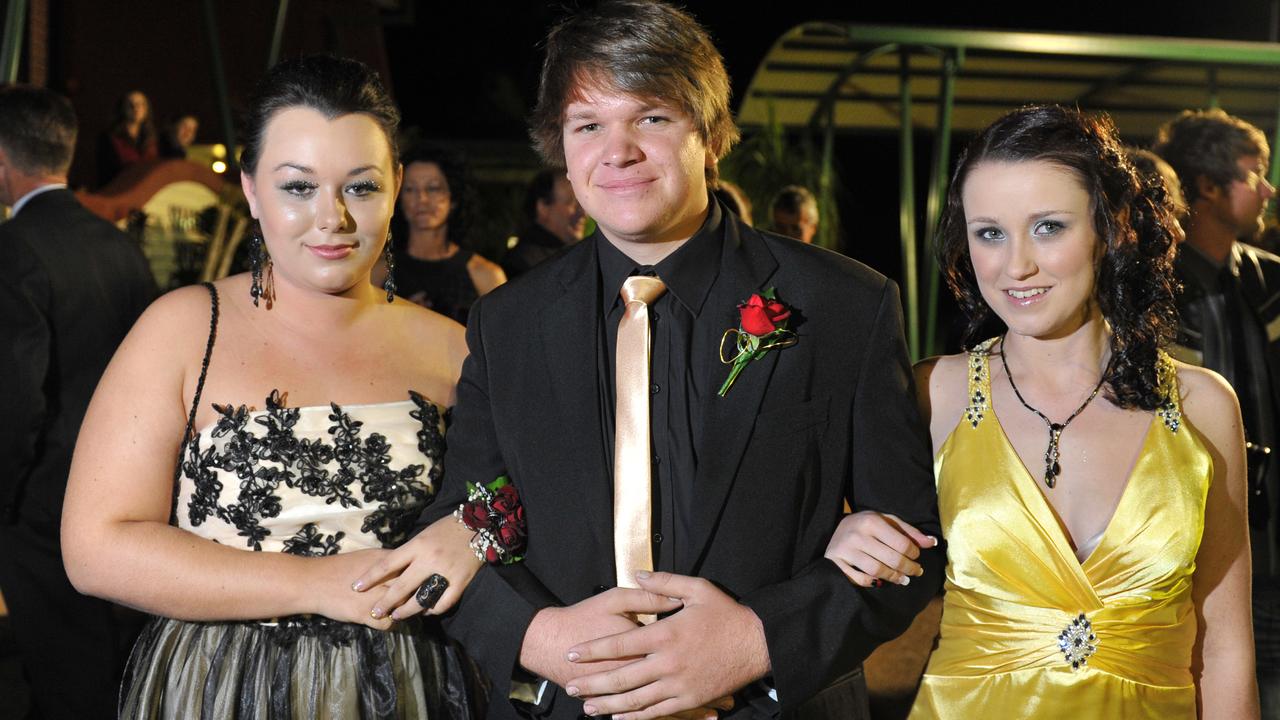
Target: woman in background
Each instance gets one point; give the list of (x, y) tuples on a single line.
[(432, 264), (130, 140)]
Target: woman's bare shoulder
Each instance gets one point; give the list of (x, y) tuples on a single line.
[(438, 341), (177, 315), (940, 388), (1207, 399)]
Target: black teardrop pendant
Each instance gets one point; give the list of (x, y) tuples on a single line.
[(1051, 467)]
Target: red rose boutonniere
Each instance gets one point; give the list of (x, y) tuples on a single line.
[(762, 326)]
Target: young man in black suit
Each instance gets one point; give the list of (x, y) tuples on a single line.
[(746, 485), (71, 285)]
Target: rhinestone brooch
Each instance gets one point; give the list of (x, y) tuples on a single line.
[(1077, 642)]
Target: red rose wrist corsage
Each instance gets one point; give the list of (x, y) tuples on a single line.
[(494, 513)]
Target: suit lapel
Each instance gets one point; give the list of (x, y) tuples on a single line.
[(746, 267), (570, 328)]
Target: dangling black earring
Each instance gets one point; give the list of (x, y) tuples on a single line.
[(389, 283), (257, 258)]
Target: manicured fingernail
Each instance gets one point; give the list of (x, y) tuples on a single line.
[(642, 575), (935, 540), (573, 691), (573, 657), (589, 709), (376, 613), (357, 586), (905, 580)]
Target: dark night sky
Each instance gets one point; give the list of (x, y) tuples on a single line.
[(468, 70)]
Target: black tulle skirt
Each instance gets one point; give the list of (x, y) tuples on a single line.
[(299, 668)]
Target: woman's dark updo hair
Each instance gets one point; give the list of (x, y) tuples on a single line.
[(1132, 216), (332, 86), (453, 165)]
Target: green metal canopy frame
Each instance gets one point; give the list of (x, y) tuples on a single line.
[(833, 77)]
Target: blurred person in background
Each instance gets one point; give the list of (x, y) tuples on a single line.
[(178, 136), (1152, 168), (1228, 311), (795, 213), (555, 220), (433, 265), (130, 139), (71, 286), (733, 198)]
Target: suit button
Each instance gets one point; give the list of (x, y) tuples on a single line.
[(657, 538), (655, 389)]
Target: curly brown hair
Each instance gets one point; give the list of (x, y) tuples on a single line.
[(1133, 217)]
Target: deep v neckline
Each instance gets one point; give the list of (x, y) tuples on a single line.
[(1063, 535)]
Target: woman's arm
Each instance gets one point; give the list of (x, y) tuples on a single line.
[(485, 274), (442, 547), (1222, 663), (869, 546), (116, 540)]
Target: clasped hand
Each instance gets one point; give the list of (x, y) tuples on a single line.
[(686, 665), (870, 547)]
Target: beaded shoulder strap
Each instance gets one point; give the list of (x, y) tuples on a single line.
[(190, 430), (1167, 376), (979, 382)]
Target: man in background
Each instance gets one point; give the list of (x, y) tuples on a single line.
[(555, 220), (795, 213), (1229, 321), (71, 286)]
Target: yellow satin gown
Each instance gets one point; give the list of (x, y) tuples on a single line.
[(1020, 607)]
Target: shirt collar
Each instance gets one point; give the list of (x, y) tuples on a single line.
[(1203, 269), (22, 201), (688, 273)]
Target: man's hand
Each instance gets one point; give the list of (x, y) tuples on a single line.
[(546, 642), (710, 649)]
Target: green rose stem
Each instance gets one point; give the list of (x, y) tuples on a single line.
[(747, 351)]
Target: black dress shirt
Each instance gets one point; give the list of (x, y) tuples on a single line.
[(678, 390)]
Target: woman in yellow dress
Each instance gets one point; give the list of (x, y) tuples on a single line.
[(1091, 489)]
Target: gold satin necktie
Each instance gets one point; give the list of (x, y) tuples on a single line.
[(632, 447)]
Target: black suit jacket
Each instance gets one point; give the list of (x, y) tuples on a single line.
[(1207, 337), (71, 286), (803, 429)]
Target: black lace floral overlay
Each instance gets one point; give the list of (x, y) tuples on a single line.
[(352, 470)]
